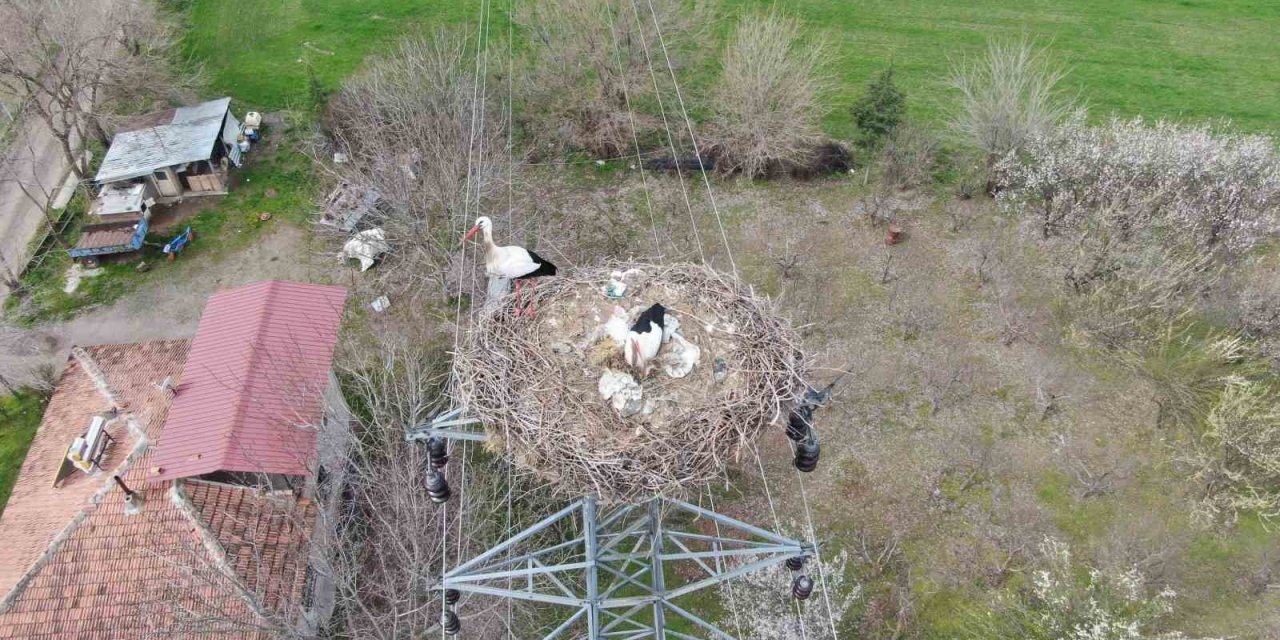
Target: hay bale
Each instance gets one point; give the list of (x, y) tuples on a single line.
[(537, 380)]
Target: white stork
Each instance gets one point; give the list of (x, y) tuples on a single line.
[(645, 338), (513, 263)]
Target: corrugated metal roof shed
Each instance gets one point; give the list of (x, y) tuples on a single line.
[(188, 137), (251, 389)]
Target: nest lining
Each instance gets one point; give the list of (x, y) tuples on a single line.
[(535, 380)]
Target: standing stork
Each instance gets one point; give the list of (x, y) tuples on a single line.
[(513, 263)]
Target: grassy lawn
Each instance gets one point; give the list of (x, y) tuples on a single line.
[(260, 53), (1193, 59), (19, 417)]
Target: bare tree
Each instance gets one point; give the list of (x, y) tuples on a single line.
[(594, 65), (387, 549), (768, 103), (415, 127), (23, 362), (79, 66), (1006, 96), (21, 166)]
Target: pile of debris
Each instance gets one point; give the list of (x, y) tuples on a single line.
[(556, 388)]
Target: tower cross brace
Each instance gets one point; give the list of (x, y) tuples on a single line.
[(617, 577)]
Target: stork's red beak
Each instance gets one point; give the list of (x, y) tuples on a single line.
[(471, 233)]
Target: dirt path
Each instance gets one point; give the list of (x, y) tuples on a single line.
[(172, 309)]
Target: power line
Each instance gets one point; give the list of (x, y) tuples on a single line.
[(511, 168), (631, 116), (693, 139), (466, 204), (729, 252), (644, 44)]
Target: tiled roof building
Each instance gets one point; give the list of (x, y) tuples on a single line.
[(200, 559)]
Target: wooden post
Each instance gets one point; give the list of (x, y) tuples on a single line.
[(498, 287)]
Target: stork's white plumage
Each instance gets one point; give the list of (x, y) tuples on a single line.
[(645, 338), (511, 262)]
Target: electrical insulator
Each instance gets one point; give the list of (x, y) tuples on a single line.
[(807, 454), (795, 563), (802, 587), (449, 620), (451, 596), (798, 424), (438, 452), (438, 487)]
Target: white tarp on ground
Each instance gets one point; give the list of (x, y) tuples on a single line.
[(365, 246)]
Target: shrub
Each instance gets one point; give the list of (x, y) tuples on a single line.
[(767, 104), (908, 156), (1221, 190), (1006, 97), (1129, 289), (1060, 605), (412, 125), (1186, 369), (1237, 458), (589, 82), (761, 602), (878, 112)]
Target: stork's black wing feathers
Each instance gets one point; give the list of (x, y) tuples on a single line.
[(657, 314), (545, 268)]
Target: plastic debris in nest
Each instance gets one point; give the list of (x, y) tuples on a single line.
[(580, 417)]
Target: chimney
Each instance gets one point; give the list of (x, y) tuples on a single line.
[(132, 499)]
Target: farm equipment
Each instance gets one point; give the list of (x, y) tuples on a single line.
[(124, 235), (176, 245)]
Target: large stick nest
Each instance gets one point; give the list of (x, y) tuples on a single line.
[(536, 380)]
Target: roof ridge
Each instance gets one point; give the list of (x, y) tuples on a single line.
[(95, 501), (97, 375), (217, 553)]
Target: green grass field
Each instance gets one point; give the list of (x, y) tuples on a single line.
[(259, 54), (1187, 59), (19, 416)]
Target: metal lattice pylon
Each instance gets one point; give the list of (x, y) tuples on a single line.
[(613, 576), (618, 576)]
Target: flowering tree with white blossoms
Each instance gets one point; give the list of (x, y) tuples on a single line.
[(1217, 189), (761, 607), (1062, 603)]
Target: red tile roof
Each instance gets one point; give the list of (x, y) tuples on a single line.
[(251, 389), (73, 564)]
